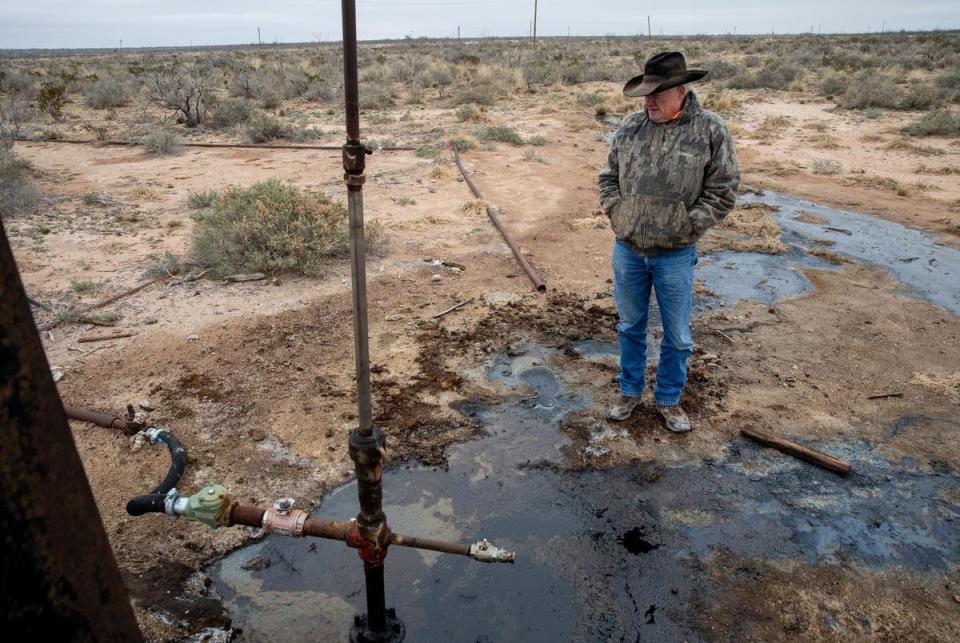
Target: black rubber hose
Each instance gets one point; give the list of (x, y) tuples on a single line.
[(153, 502)]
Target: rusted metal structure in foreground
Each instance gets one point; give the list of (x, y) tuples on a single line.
[(58, 584)]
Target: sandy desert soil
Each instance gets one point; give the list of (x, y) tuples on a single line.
[(256, 378)]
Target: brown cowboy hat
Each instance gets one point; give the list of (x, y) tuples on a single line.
[(663, 71)]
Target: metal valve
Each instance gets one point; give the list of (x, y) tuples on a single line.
[(483, 551)]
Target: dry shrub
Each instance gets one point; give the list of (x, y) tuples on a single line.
[(939, 123), (878, 183), (18, 194), (749, 228), (274, 227), (826, 167), (943, 170), (904, 145), (474, 208)]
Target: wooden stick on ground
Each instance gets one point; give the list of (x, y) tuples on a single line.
[(101, 304), (453, 308), (797, 450), (103, 338)]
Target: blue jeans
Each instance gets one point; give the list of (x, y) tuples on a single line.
[(671, 276)]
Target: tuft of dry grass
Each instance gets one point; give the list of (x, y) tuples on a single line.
[(943, 170), (474, 208), (948, 384), (904, 145), (877, 183), (749, 228)]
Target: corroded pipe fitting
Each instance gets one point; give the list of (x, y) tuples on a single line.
[(283, 519)]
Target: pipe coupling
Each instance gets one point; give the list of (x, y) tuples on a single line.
[(283, 519)]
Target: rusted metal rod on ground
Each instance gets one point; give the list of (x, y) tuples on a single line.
[(123, 423), (798, 450), (527, 268), (246, 146)]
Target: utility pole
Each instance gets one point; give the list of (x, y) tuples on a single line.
[(458, 33), (259, 42), (649, 32), (534, 23)]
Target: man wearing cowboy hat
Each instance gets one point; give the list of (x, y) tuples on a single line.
[(670, 175)]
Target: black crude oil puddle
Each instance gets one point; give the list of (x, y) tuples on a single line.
[(600, 555)]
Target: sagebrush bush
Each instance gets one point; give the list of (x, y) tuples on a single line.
[(231, 112), (107, 93), (262, 128), (163, 142), (273, 227), (500, 133), (868, 89), (832, 85), (200, 200), (470, 113), (938, 123)]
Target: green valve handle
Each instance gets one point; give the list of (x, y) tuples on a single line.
[(210, 506)]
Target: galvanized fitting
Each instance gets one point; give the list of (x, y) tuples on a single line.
[(283, 519), (483, 551), (153, 433)]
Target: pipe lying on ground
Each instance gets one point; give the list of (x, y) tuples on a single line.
[(156, 501), (123, 423), (527, 268), (244, 146), (797, 450)]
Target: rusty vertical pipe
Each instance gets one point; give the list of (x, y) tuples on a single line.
[(367, 446), (59, 584), (354, 161)]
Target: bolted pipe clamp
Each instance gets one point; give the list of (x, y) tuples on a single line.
[(483, 551)]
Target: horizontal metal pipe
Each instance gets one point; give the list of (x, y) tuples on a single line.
[(101, 419), (338, 530), (527, 268), (245, 146), (427, 543)]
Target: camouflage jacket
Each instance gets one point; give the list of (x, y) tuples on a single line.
[(665, 184)]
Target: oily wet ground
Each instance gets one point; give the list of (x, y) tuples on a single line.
[(629, 553), (618, 554)]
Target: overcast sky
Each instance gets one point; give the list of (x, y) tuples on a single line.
[(142, 23)]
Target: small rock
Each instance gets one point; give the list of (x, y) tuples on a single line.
[(276, 281), (500, 298), (710, 357), (193, 338), (394, 317), (256, 564), (436, 278), (149, 321), (137, 441), (146, 405), (956, 598), (257, 435), (57, 373)]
